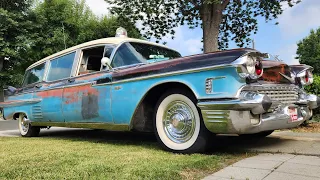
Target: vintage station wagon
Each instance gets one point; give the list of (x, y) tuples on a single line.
[(125, 84)]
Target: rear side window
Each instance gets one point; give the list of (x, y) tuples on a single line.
[(61, 67), (34, 75)]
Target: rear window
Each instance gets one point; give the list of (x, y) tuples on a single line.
[(60, 68), (34, 75)]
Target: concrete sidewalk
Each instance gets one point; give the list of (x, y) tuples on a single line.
[(272, 167)]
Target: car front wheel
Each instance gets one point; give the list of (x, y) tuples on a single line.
[(178, 124), (25, 128)]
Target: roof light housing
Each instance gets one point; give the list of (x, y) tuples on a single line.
[(121, 32)]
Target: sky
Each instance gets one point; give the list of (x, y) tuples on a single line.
[(294, 24)]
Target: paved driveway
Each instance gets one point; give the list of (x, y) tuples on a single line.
[(278, 142), (8, 125), (272, 167)]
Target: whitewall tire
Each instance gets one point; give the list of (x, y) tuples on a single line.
[(178, 123), (25, 128)]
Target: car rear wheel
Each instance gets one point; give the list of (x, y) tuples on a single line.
[(25, 128), (178, 123)]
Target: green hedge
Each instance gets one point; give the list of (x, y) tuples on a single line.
[(314, 88)]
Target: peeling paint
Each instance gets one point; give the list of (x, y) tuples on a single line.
[(50, 93)]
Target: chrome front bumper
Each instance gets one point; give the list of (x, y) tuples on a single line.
[(252, 114)]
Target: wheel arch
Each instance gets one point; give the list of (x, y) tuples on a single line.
[(142, 119), (15, 116)]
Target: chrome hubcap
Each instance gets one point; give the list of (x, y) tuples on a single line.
[(179, 122), (24, 124)]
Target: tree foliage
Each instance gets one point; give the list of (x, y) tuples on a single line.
[(221, 20), (47, 27), (72, 22), (309, 50), (314, 88), (13, 27)]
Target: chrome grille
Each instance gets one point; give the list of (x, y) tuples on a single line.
[(279, 94)]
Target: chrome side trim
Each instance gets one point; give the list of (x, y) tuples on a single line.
[(168, 74), (19, 102), (106, 126), (80, 84), (65, 86)]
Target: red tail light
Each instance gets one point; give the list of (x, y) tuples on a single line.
[(307, 77), (259, 69)]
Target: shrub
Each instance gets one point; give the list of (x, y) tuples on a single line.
[(314, 88)]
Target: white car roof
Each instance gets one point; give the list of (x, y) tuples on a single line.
[(112, 40)]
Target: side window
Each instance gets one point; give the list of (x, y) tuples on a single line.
[(61, 67), (126, 55), (34, 75), (91, 58)]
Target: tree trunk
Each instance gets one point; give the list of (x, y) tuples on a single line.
[(211, 16)]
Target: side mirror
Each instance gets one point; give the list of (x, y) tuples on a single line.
[(106, 62), (9, 91)]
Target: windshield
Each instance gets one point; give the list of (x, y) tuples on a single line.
[(151, 53), (136, 53), (34, 75)]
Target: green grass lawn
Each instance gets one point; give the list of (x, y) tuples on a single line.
[(53, 158)]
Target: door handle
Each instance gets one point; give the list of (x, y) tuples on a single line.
[(38, 85), (71, 80)]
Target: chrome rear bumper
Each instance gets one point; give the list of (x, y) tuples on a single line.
[(252, 115)]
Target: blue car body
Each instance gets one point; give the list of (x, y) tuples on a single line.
[(124, 97)]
